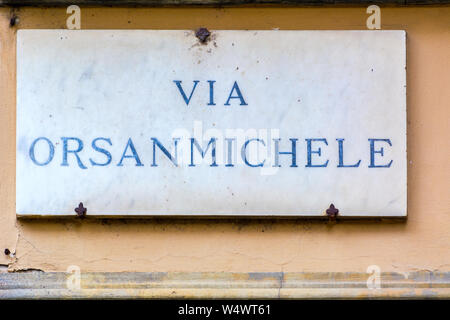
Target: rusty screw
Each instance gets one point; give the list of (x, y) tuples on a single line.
[(7, 252), (332, 212), (202, 34), (80, 210)]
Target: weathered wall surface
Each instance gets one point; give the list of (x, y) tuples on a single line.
[(422, 242)]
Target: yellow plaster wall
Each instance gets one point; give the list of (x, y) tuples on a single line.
[(420, 243)]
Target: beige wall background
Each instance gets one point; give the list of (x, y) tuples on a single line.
[(422, 242)]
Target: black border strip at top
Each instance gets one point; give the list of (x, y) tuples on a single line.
[(156, 3)]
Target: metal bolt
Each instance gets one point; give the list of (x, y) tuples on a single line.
[(202, 34), (13, 21), (80, 210), (332, 212)]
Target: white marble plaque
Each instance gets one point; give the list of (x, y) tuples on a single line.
[(252, 123)]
